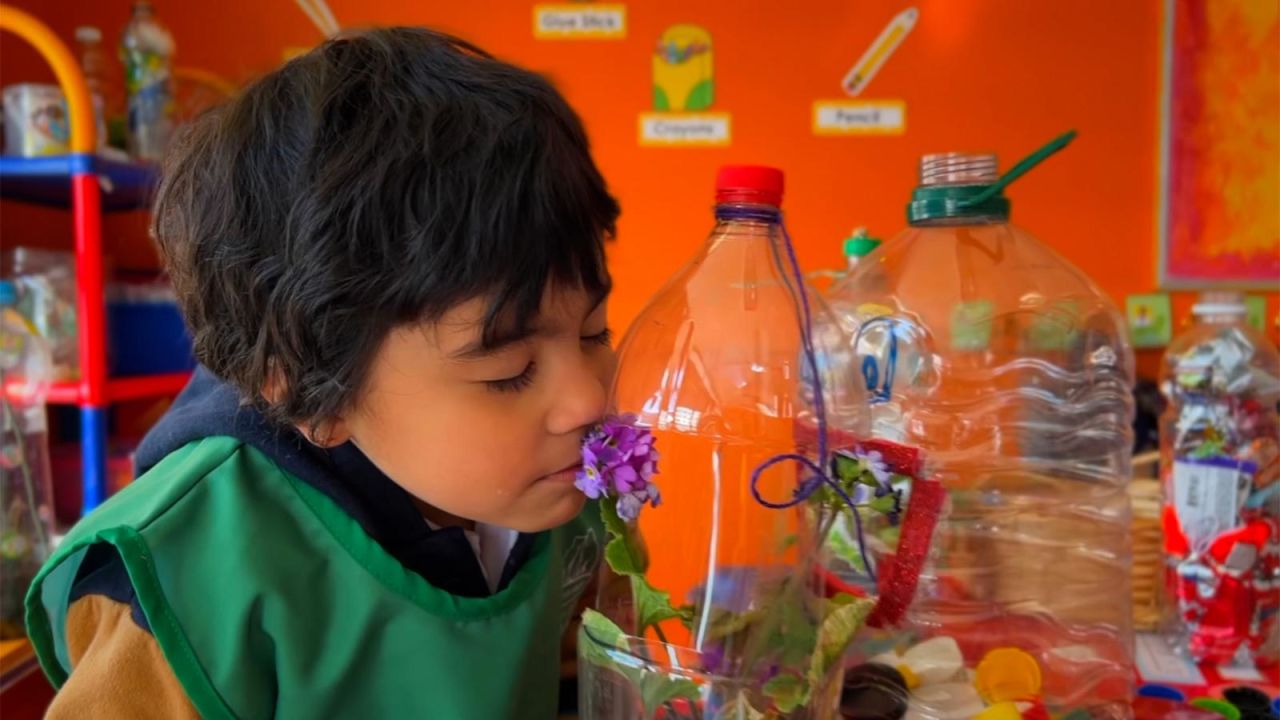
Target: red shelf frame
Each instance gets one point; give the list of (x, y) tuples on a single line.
[(118, 389)]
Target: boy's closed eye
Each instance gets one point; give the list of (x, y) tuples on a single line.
[(522, 380)]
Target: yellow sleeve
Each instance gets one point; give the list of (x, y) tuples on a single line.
[(118, 670)]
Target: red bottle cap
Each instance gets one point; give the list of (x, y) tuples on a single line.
[(756, 184)]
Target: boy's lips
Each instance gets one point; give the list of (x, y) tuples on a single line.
[(568, 473)]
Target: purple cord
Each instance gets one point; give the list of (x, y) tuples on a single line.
[(795, 281)]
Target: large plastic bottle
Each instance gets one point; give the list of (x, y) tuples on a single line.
[(26, 507), (1220, 460), (146, 49), (1011, 370), (715, 367)]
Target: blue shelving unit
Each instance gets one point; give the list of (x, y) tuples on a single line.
[(47, 180)]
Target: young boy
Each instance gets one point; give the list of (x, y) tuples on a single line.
[(389, 252)]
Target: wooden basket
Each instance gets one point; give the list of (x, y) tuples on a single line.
[(1146, 496)]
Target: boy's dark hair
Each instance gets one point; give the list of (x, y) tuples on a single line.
[(376, 181)]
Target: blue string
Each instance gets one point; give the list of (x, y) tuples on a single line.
[(819, 476)]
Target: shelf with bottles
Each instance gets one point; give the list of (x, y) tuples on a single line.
[(75, 175), (47, 180)]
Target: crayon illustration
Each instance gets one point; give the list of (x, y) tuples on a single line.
[(683, 77)]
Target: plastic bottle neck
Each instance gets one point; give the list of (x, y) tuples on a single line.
[(1222, 317), (748, 213), (951, 185), (1222, 307)]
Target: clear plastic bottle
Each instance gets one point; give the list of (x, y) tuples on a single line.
[(1220, 460), (714, 366), (93, 63), (26, 506), (1011, 370), (146, 49)]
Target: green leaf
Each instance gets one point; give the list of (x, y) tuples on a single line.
[(620, 558), (787, 692), (883, 505), (625, 552), (604, 634), (845, 616), (701, 96), (652, 605), (847, 468), (660, 102), (654, 685), (844, 549), (657, 687)]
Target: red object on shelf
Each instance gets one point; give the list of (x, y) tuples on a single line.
[(117, 389)]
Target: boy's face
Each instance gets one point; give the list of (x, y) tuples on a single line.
[(491, 436)]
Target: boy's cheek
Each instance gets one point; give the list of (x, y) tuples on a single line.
[(608, 368)]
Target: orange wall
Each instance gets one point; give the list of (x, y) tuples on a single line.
[(1002, 75)]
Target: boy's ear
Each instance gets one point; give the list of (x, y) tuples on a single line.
[(331, 433), (327, 434)]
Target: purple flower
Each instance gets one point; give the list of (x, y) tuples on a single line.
[(874, 463), (713, 659), (619, 460)]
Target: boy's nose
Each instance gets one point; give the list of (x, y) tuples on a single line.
[(581, 400)]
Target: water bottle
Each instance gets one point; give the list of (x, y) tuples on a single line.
[(715, 367), (26, 507), (1220, 460), (93, 63), (146, 49), (1010, 370)]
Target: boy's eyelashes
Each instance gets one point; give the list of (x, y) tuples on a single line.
[(516, 383), (604, 337)]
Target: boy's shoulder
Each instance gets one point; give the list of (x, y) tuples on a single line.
[(188, 481)]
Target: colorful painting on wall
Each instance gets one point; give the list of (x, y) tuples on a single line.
[(1220, 198)]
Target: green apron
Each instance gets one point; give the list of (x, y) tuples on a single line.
[(269, 601)]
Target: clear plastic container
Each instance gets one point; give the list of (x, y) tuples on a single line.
[(26, 522), (1220, 460), (93, 63), (146, 49), (1010, 370), (715, 367)]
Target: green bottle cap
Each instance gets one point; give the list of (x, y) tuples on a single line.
[(959, 185), (859, 244), (1221, 707)]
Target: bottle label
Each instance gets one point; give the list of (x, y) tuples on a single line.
[(971, 325), (147, 82), (1208, 495)]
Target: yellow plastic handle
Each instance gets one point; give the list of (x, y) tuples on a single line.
[(65, 68)]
